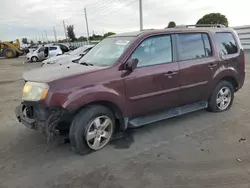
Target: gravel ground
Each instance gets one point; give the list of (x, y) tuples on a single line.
[(201, 149)]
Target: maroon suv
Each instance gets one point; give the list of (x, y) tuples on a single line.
[(133, 79)]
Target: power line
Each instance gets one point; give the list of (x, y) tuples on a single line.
[(119, 9), (100, 13), (106, 5), (97, 4)]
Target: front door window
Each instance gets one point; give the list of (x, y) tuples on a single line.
[(154, 51)]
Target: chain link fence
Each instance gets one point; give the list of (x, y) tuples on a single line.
[(244, 35)]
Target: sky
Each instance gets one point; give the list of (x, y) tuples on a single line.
[(32, 18)]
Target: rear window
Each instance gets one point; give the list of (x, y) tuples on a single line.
[(226, 42), (193, 46)]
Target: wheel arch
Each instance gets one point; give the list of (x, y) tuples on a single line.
[(232, 80), (34, 56), (114, 108), (227, 74)]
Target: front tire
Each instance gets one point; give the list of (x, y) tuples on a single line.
[(34, 59), (9, 53), (222, 97), (91, 129)]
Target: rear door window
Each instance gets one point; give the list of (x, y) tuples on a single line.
[(193, 46), (226, 43)]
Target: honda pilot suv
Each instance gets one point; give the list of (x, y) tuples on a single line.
[(133, 79)]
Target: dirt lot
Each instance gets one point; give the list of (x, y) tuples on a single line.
[(201, 149)]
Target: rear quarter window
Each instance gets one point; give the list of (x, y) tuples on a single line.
[(226, 43), (52, 48)]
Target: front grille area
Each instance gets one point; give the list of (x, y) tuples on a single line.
[(28, 111)]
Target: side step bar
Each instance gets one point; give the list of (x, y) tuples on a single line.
[(165, 114)]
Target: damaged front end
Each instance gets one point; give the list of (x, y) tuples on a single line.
[(51, 121)]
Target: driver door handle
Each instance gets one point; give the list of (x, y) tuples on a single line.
[(171, 73), (212, 65)]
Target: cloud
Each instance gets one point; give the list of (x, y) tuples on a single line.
[(30, 18)]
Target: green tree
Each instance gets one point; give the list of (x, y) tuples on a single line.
[(82, 38), (39, 42), (171, 24), (62, 40), (71, 33), (96, 37), (25, 41), (32, 42), (213, 18), (108, 34)]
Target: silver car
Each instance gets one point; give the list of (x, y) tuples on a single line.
[(44, 52)]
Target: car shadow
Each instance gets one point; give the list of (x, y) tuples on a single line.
[(124, 140), (34, 144)]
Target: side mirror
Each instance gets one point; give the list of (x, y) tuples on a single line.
[(131, 65)]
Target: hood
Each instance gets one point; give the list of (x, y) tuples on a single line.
[(62, 59), (31, 53), (55, 58), (55, 72)]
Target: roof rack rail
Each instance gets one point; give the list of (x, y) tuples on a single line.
[(202, 25), (147, 29)]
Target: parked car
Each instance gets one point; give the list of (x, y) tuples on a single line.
[(133, 79), (44, 52), (68, 57), (63, 47)]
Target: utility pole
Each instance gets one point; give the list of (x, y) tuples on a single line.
[(141, 17), (65, 31), (87, 25), (42, 37), (55, 33), (46, 35)]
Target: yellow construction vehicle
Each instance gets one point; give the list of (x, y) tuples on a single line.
[(10, 49)]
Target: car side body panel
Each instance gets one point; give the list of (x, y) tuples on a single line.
[(73, 94)]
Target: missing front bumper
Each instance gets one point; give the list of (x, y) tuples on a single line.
[(45, 120)]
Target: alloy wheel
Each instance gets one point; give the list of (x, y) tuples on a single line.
[(223, 98), (99, 132)]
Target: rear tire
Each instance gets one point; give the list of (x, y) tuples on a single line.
[(94, 124), (222, 97), (17, 55)]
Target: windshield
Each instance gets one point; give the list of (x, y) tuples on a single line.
[(107, 51)]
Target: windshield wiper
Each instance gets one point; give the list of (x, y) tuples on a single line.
[(87, 64)]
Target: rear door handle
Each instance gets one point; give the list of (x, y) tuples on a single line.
[(212, 65), (171, 73)]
